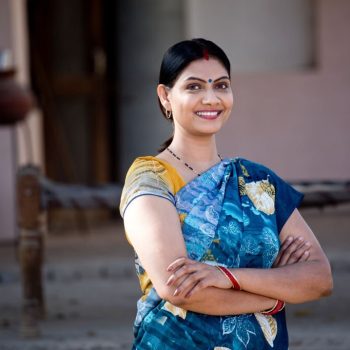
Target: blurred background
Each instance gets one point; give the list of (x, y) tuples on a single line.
[(90, 70)]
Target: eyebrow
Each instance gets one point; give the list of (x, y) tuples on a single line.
[(204, 81)]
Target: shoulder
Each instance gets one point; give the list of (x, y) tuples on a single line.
[(287, 197), (146, 176), (148, 169), (252, 170), (146, 164)]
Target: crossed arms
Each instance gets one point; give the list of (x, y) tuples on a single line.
[(301, 271)]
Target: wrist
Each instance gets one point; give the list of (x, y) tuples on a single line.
[(277, 307), (230, 276)]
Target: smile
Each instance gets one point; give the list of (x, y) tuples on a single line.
[(208, 114)]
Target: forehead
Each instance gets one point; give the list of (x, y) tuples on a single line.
[(204, 69)]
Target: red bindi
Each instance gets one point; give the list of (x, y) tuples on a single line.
[(206, 54)]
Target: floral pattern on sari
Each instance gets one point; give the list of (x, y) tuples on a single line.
[(228, 217)]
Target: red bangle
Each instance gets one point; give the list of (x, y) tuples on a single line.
[(279, 306), (230, 276)]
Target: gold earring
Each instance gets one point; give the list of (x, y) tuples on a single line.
[(169, 114)]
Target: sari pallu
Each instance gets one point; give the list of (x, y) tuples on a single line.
[(231, 215)]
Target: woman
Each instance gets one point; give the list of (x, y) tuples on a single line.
[(220, 246)]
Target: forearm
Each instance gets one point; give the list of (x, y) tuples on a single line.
[(220, 302), (296, 283)]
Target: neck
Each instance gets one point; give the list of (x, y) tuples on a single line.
[(197, 150)]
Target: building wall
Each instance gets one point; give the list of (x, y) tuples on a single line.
[(145, 30), (293, 120), (5, 25), (258, 35), (14, 149), (13, 36)]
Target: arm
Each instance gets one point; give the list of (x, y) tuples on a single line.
[(220, 302), (308, 279), (295, 283), (154, 230)]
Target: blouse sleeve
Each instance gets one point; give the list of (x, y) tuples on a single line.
[(145, 177), (286, 201)]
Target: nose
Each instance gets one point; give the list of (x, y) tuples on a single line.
[(210, 97)]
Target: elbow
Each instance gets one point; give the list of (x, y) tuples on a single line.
[(325, 285), (167, 293), (318, 286), (327, 291), (179, 302)]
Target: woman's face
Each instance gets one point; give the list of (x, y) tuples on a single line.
[(201, 99)]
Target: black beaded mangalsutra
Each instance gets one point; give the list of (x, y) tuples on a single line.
[(186, 164)]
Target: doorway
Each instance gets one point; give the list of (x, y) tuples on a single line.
[(72, 55)]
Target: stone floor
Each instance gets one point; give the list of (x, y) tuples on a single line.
[(91, 291)]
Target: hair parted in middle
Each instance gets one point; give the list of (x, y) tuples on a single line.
[(179, 56)]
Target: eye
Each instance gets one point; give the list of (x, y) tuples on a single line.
[(193, 87), (222, 86)]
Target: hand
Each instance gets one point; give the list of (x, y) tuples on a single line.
[(293, 250), (190, 276)]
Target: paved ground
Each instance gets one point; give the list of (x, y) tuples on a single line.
[(91, 291)]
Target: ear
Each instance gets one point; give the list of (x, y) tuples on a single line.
[(163, 94)]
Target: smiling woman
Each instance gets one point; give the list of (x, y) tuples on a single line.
[(220, 246), (200, 100)]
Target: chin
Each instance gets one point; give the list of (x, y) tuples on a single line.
[(212, 126), (209, 130)]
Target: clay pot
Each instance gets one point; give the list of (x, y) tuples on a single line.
[(15, 101)]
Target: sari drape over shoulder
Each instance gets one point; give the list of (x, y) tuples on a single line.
[(231, 215)]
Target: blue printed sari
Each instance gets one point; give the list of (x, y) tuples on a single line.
[(231, 215)]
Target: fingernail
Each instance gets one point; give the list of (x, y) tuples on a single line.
[(308, 244), (176, 292), (289, 238), (169, 268), (307, 253), (300, 239)]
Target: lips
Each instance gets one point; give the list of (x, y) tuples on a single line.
[(208, 114)]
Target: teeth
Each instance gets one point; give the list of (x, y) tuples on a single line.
[(208, 114)]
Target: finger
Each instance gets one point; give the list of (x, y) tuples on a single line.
[(210, 276), (180, 272), (293, 247), (290, 250), (297, 254), (188, 284), (179, 281), (177, 263), (277, 260), (305, 256), (285, 244), (199, 286)]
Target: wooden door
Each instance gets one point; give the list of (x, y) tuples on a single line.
[(68, 66)]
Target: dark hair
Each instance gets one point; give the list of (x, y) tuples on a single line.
[(179, 56)]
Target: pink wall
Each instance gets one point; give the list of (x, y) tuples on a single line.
[(299, 123)]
